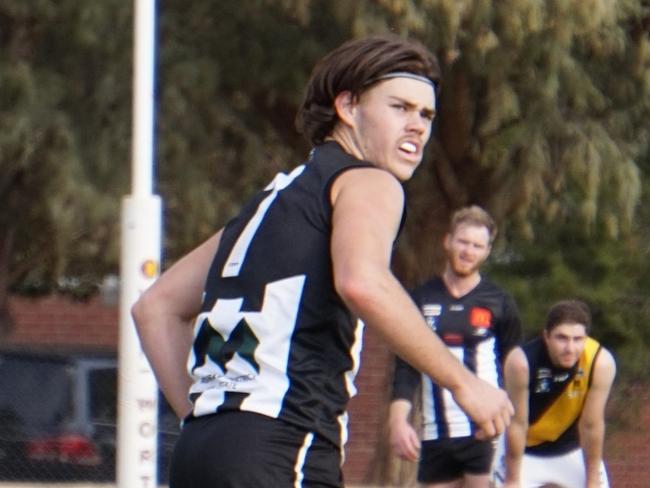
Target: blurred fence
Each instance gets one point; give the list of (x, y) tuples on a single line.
[(85, 387), (58, 418)]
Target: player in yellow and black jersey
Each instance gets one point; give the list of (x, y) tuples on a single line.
[(559, 384)]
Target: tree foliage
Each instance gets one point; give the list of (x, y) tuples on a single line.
[(542, 120), (63, 113), (542, 112)]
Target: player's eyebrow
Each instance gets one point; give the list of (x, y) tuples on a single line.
[(429, 112)]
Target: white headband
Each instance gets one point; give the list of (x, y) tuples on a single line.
[(402, 74)]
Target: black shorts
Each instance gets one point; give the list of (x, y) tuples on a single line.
[(242, 449), (449, 459)]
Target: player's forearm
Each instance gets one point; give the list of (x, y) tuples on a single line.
[(166, 342), (515, 446), (399, 411), (384, 305), (163, 316), (591, 441)]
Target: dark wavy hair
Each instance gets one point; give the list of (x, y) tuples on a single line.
[(355, 66), (568, 312)]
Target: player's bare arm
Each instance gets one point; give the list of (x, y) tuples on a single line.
[(592, 419), (163, 316), (367, 211), (516, 380)]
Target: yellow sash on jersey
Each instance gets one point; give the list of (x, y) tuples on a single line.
[(567, 407)]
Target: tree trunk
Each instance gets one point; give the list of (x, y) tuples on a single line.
[(6, 248)]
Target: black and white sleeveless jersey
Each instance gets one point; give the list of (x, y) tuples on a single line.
[(479, 329), (273, 336)]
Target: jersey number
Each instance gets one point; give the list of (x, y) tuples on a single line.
[(241, 342), (236, 259)]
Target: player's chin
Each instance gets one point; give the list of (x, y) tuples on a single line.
[(464, 270), (404, 169), (568, 361)]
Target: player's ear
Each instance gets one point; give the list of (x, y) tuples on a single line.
[(345, 105), (446, 241)]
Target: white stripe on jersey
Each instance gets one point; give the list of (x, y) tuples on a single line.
[(300, 461), (355, 353), (458, 424), (486, 361), (430, 429), (236, 259), (273, 327)]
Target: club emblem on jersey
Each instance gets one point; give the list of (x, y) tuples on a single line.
[(542, 386), (559, 378), (242, 341), (480, 317), (431, 312)]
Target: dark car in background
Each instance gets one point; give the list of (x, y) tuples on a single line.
[(58, 416)]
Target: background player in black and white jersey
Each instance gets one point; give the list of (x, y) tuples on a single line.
[(479, 323), (275, 295)]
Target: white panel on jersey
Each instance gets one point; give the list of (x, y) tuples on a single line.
[(430, 430), (224, 317), (238, 253), (486, 361), (458, 423), (205, 404), (274, 326)]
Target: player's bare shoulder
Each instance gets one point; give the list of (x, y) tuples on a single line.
[(370, 181), (516, 368), (604, 367)]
